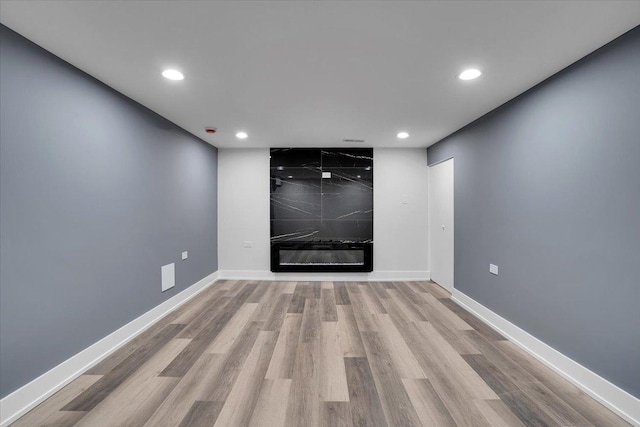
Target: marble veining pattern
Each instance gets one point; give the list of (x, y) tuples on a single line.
[(355, 213), (307, 207)]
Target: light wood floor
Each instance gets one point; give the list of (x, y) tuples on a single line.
[(320, 354)]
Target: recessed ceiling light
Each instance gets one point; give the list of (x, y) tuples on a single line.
[(403, 135), (290, 176), (172, 75), (359, 176), (470, 74), (241, 135)]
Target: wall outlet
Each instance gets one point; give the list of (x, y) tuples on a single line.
[(185, 255), (493, 269), (168, 273), (248, 244), (405, 199)]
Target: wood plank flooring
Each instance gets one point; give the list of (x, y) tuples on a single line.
[(247, 353)]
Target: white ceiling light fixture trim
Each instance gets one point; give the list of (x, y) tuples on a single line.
[(172, 74), (470, 74), (242, 135), (403, 135)]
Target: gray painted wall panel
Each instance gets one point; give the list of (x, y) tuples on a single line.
[(96, 194), (548, 188)]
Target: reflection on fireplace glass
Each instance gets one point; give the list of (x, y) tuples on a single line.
[(322, 257)]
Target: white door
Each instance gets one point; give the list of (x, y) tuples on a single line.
[(441, 223)]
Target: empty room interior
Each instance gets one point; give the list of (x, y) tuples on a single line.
[(319, 213)]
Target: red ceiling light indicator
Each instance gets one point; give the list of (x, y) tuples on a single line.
[(210, 129)]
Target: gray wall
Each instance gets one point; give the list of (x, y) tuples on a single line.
[(548, 187), (96, 193)]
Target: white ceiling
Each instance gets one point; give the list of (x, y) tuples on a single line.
[(313, 73)]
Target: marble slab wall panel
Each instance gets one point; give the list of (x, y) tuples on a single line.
[(347, 230), (295, 157), (286, 179), (295, 193), (296, 230), (347, 158), (307, 207), (296, 206), (347, 206), (352, 179)]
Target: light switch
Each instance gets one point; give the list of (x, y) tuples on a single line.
[(493, 269), (248, 244), (168, 276), (185, 255)]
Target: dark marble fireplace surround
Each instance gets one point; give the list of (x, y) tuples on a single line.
[(321, 209)]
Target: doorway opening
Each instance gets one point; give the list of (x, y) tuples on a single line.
[(441, 223)]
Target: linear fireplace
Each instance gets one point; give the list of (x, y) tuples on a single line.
[(321, 257), (321, 209)]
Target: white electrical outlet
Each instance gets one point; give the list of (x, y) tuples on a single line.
[(168, 276), (185, 255), (248, 244), (493, 269)]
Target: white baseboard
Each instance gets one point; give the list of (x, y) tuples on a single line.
[(610, 395), (28, 396), (246, 275), (342, 277), (400, 275)]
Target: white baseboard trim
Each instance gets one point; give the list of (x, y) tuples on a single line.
[(28, 396), (400, 275), (342, 277), (610, 395)]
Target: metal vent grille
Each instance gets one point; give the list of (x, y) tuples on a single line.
[(352, 140)]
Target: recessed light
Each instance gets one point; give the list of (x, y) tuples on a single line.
[(290, 176), (470, 74), (359, 176), (241, 135), (403, 135), (172, 75), (368, 168)]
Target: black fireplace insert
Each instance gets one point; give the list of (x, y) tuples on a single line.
[(321, 257)]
